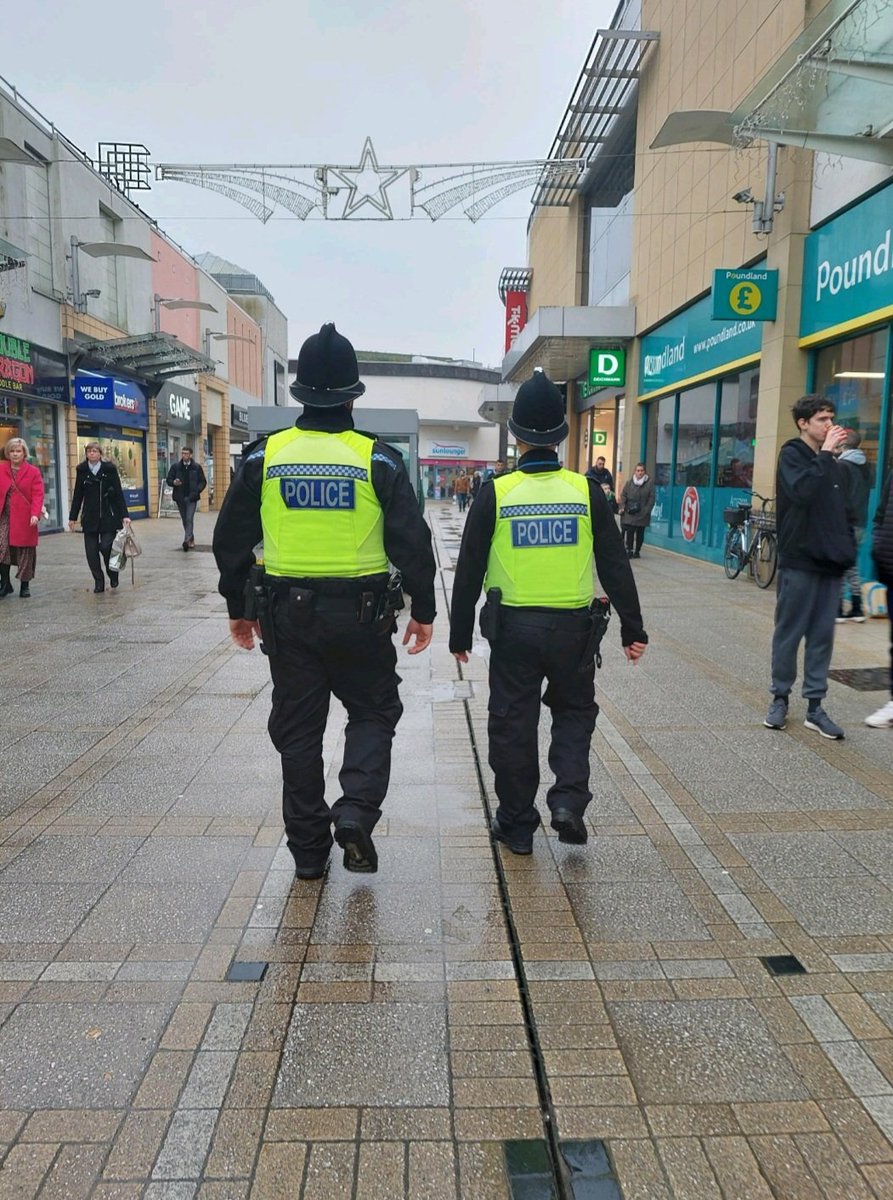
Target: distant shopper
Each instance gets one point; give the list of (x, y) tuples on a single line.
[(882, 549), (500, 469), (599, 473), (815, 546), (99, 502), (857, 474), (188, 481), (636, 503), (462, 490), (21, 503)]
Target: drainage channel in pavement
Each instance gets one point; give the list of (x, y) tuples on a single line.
[(548, 1168)]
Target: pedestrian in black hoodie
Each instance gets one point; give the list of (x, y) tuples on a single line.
[(815, 546)]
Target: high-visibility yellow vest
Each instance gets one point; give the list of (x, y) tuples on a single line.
[(541, 552), (319, 511)]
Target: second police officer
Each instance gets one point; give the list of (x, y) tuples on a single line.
[(332, 506), (531, 537)]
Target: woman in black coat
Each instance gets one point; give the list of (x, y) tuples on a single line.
[(99, 502)]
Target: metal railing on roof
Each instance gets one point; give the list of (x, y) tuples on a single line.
[(606, 85)]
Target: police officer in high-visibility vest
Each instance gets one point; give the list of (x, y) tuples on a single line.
[(531, 538), (332, 507)]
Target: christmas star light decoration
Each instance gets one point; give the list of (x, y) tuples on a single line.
[(368, 183), (369, 191)]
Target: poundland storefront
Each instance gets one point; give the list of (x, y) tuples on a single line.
[(699, 379), (847, 323)]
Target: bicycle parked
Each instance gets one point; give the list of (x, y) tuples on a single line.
[(751, 541)]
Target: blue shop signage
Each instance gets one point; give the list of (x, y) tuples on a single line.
[(848, 270), (112, 401), (692, 346)]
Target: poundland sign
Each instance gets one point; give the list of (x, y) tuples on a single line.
[(848, 270)]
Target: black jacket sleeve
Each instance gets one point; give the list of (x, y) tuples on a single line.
[(120, 504), (613, 569), (202, 481), (407, 538), (238, 529), (471, 567), (78, 498)]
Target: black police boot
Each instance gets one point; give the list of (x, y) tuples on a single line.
[(518, 843), (569, 826), (311, 870), (359, 851)]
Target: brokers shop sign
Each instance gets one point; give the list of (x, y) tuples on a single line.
[(112, 401), (848, 268)]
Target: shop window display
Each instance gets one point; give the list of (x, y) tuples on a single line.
[(852, 375), (124, 448), (659, 459)]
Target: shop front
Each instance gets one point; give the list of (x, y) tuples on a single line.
[(33, 393), (442, 462), (115, 413), (178, 418), (846, 322), (699, 379)]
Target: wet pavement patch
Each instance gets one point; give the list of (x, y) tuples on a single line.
[(862, 679), (783, 964), (246, 972), (364, 1054)]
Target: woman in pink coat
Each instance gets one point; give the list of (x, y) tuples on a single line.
[(21, 503)]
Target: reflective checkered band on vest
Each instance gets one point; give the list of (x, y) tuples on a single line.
[(543, 510), (319, 470)]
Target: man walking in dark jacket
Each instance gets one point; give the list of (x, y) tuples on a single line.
[(815, 546), (188, 481)]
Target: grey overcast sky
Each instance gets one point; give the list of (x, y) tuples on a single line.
[(306, 81)]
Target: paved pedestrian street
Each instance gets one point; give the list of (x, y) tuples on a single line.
[(411, 1029)]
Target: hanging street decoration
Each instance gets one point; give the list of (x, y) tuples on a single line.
[(368, 191)]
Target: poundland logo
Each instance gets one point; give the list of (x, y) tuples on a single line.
[(840, 277), (656, 364)]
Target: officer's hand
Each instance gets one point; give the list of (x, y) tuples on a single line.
[(460, 656), (72, 525), (243, 632), (635, 651), (422, 634)]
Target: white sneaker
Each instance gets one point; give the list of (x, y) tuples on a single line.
[(883, 718)]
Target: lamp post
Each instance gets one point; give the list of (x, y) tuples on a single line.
[(225, 337), (99, 250), (162, 302)]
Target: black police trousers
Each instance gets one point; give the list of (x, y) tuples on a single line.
[(533, 646), (333, 655)]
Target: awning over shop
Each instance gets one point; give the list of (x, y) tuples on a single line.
[(559, 340), (830, 91), (149, 355)]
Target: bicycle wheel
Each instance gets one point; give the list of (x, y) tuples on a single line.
[(731, 554), (765, 558)]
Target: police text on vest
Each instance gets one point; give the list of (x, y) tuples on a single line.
[(544, 531), (318, 493)]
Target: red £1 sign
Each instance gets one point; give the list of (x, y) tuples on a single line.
[(691, 514)]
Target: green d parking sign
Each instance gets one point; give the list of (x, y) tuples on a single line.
[(607, 367), (745, 295)]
